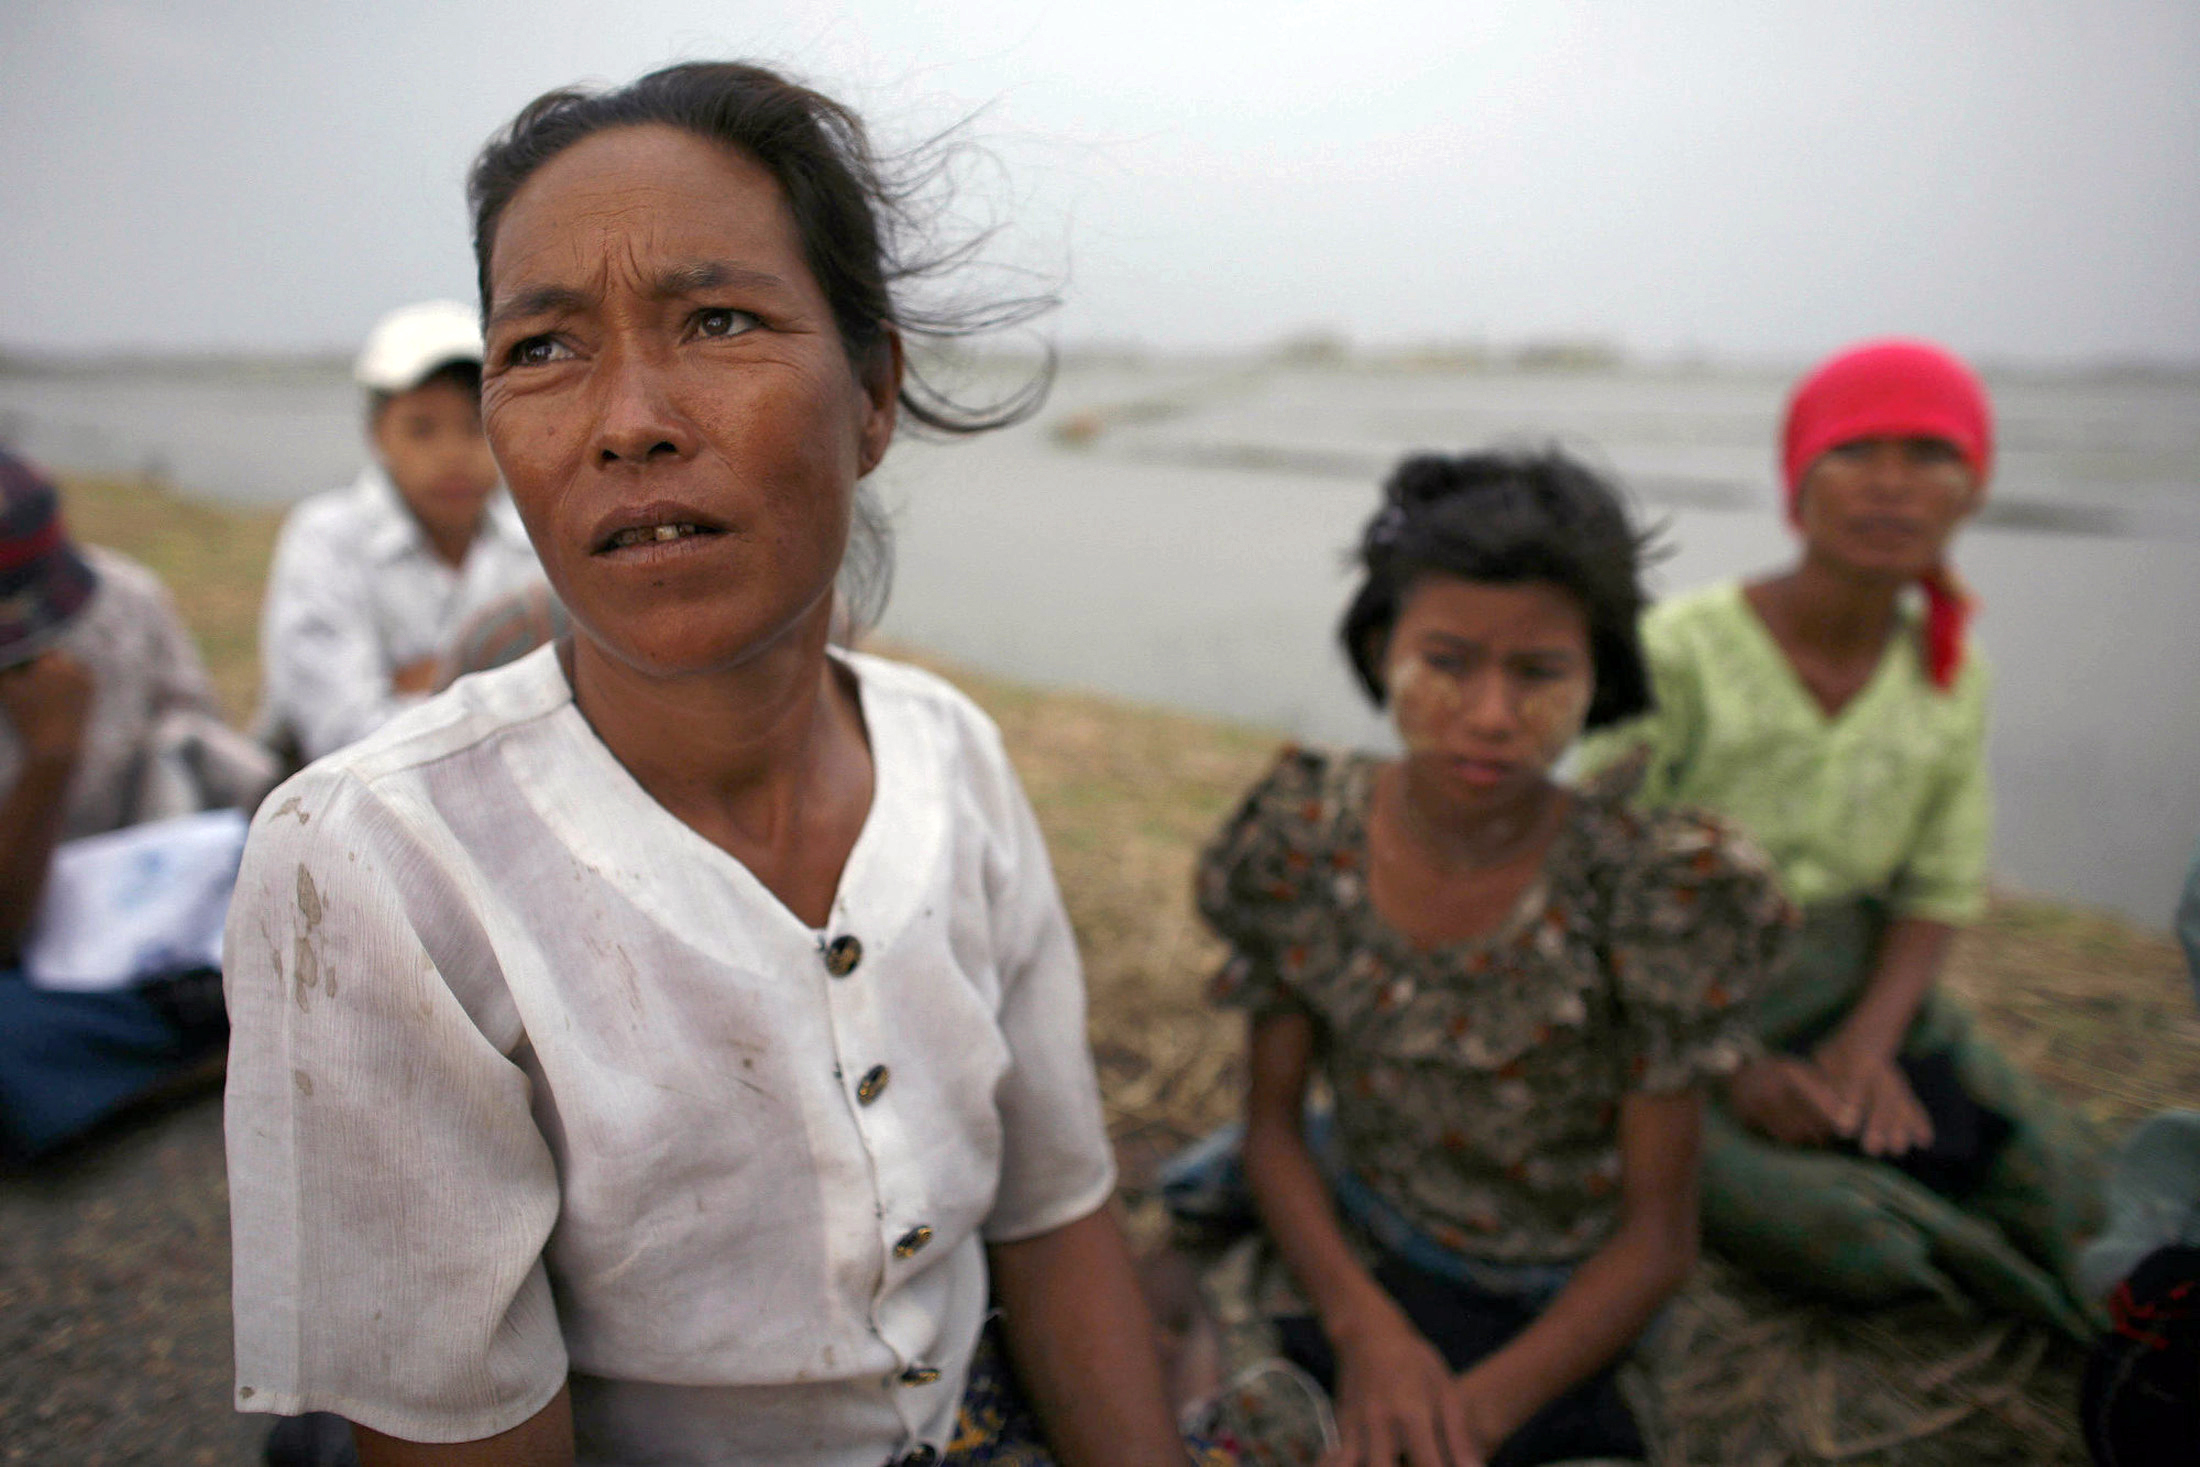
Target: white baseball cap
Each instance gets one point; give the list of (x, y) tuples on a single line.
[(410, 343)]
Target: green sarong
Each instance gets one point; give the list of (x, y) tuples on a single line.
[(1850, 1227)]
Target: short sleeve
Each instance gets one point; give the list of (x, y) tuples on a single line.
[(1944, 879), (1057, 1164), (390, 1192), (1251, 882), (1697, 922)]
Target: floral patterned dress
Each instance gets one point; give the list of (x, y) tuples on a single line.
[(1477, 1085)]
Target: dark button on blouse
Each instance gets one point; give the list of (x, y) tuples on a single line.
[(842, 954), (913, 1240), (873, 1084), (923, 1455), (919, 1375)]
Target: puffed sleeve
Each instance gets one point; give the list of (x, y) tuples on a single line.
[(1252, 882), (390, 1193), (1944, 878), (1057, 1164), (1697, 921)]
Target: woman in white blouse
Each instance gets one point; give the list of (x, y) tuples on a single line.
[(657, 1049)]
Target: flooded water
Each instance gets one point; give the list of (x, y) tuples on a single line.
[(1175, 534)]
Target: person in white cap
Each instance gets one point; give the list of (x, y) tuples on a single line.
[(368, 581)]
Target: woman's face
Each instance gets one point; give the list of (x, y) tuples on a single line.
[(669, 398), (1488, 684), (1886, 506)]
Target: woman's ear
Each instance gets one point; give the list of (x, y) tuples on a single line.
[(881, 381)]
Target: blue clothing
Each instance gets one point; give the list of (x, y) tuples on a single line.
[(68, 1060)]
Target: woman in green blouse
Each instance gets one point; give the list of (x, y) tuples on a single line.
[(1879, 1147)]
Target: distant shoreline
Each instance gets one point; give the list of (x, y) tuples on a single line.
[(1555, 358)]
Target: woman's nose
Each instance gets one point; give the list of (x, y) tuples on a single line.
[(636, 418)]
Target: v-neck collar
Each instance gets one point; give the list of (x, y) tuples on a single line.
[(879, 881), (1768, 647)]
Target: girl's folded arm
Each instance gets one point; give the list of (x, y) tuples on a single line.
[(1287, 1184)]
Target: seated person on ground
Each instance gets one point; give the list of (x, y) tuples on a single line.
[(1844, 730), (669, 1046), (107, 720), (1516, 993), (369, 581)]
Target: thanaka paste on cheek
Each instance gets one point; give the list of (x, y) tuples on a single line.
[(1553, 716), (1423, 704)]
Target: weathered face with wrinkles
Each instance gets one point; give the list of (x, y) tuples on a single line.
[(670, 399), (1488, 683)]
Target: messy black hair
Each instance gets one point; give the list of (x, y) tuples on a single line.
[(1508, 518), (860, 217), (866, 235)]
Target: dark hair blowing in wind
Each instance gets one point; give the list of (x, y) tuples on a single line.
[(862, 221), (858, 216), (1507, 518)]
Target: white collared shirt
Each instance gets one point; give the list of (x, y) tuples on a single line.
[(355, 592), (528, 1078)]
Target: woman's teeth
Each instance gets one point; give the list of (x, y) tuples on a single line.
[(643, 534)]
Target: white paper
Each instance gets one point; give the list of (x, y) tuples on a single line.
[(136, 903)]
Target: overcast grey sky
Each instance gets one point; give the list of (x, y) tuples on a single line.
[(1742, 178)]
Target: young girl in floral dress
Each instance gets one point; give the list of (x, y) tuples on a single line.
[(1515, 992)]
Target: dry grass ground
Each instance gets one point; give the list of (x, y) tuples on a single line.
[(2103, 1012), (113, 1331)]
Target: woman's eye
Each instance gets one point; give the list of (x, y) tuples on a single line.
[(720, 321), (535, 350)]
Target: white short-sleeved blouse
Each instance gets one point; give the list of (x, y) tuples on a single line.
[(528, 1079)]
